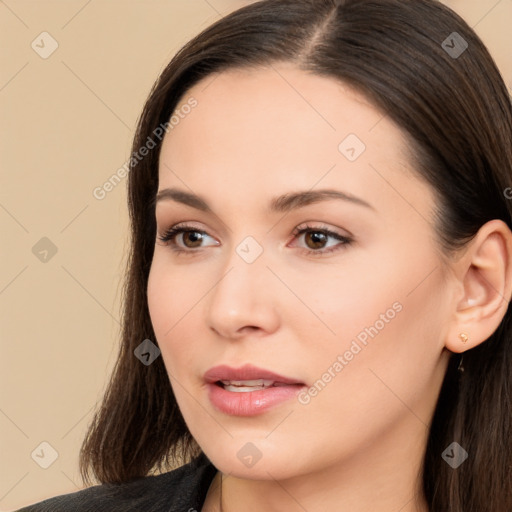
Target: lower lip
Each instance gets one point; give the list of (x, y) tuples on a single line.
[(250, 403)]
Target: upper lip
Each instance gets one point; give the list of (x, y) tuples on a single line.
[(246, 372)]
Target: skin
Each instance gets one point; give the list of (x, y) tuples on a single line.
[(358, 444)]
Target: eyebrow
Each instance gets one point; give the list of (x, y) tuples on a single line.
[(281, 204)]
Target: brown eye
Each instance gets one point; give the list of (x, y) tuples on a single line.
[(192, 239), (318, 241), (181, 238), (315, 239)]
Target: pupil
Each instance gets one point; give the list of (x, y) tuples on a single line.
[(317, 238), (193, 236)]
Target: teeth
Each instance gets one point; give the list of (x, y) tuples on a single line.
[(257, 382), (244, 389), (242, 386)]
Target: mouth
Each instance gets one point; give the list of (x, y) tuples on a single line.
[(248, 390), (244, 386), (247, 376)]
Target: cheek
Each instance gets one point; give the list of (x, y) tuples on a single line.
[(342, 301), (172, 292), (174, 303), (367, 292), (390, 343), (158, 298), (166, 307), (386, 316)]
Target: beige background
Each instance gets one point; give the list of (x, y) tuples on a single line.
[(66, 127)]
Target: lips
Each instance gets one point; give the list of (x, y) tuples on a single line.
[(248, 391), (247, 374)]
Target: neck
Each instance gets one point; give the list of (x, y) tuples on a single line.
[(313, 495), (374, 479)]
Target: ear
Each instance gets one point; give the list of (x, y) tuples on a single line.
[(484, 275)]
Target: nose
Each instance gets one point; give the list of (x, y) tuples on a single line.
[(243, 302)]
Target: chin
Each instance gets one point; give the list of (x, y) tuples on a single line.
[(253, 461)]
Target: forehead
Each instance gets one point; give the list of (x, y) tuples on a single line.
[(287, 102), (268, 129)]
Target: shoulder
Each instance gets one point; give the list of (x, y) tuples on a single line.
[(179, 490)]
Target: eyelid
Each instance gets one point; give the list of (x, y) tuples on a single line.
[(168, 236), (307, 227)]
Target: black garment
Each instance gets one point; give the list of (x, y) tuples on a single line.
[(181, 490)]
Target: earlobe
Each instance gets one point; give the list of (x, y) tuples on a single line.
[(486, 279)]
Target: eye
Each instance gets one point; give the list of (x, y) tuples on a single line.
[(184, 238), (316, 240), (188, 236)]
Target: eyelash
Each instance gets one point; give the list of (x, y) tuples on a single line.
[(172, 233)]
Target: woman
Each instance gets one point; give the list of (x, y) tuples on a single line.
[(316, 308)]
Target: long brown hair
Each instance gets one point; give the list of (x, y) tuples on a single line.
[(448, 96)]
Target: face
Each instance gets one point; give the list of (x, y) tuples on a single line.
[(311, 256)]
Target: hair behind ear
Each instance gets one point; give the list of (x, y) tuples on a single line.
[(474, 410)]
